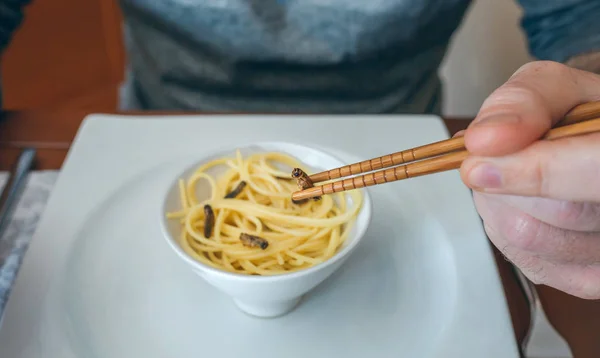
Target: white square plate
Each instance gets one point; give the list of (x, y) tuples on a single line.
[(100, 281)]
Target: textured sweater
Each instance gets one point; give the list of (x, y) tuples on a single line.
[(326, 56)]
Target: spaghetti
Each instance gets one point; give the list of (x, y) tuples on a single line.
[(259, 230)]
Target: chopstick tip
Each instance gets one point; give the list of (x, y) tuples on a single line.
[(309, 193)]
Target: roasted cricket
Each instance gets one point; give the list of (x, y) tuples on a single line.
[(303, 181), (253, 241), (209, 220), (236, 191)]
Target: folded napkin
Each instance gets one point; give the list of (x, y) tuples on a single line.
[(16, 239)]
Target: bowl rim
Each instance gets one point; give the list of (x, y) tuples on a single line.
[(366, 209)]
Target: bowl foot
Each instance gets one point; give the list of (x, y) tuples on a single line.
[(267, 309)]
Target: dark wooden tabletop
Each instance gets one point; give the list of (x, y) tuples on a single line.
[(52, 132)]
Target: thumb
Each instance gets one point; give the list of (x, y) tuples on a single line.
[(564, 169), (519, 112)]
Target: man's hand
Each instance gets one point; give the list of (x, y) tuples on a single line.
[(540, 201)]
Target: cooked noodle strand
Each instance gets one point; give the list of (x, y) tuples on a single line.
[(299, 235)]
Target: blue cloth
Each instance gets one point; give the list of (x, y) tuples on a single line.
[(334, 56), (560, 29)]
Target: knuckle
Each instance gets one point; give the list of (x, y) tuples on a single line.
[(589, 292), (538, 76), (523, 232), (587, 284), (541, 68), (569, 212), (585, 216)]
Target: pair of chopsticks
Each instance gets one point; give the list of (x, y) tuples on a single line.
[(433, 158)]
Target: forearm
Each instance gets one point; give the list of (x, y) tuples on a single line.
[(588, 62)]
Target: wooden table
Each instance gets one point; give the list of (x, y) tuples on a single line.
[(577, 320)]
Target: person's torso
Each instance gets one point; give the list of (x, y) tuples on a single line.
[(335, 56)]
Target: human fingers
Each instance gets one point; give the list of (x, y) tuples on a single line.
[(564, 169), (519, 230), (519, 112), (569, 215)]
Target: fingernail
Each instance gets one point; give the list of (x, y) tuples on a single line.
[(485, 176), (496, 119), (459, 134)]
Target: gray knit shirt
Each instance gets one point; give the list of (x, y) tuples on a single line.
[(325, 56)]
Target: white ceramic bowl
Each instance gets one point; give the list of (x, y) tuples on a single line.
[(265, 296)]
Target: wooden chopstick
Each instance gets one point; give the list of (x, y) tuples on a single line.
[(578, 114), (444, 162)]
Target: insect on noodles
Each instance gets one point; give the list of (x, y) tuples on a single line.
[(249, 224), (209, 220)]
